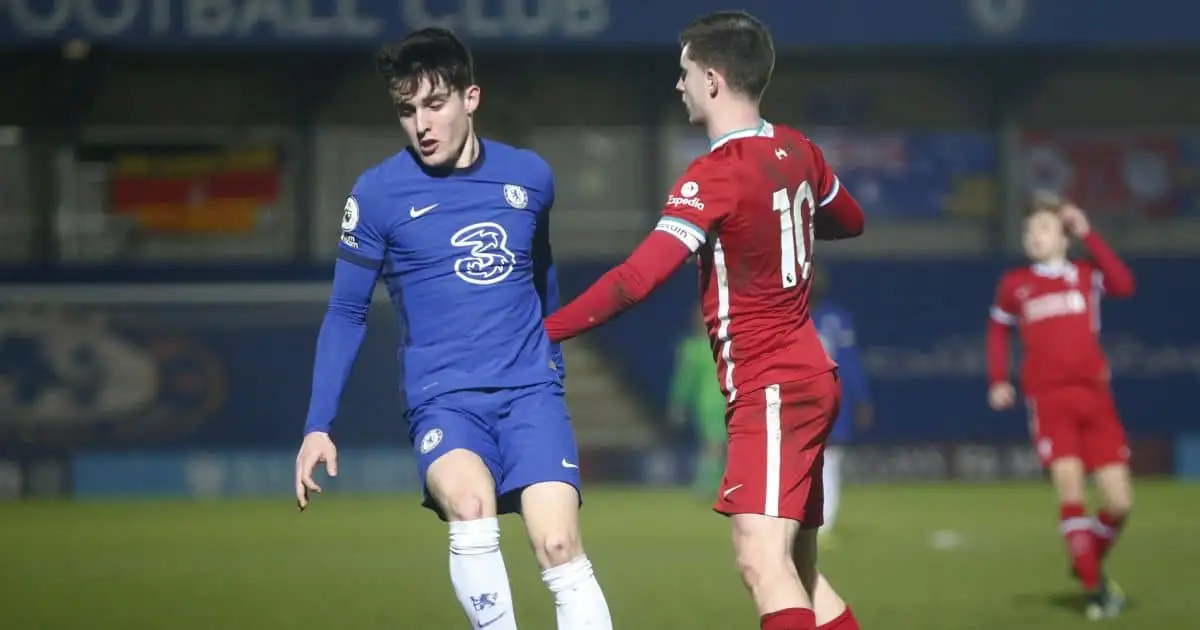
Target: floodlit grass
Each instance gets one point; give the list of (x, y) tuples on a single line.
[(379, 562)]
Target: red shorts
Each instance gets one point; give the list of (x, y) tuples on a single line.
[(777, 449), (1077, 421)]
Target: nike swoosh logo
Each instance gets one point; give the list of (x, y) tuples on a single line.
[(567, 464), (415, 212), (484, 624), (730, 490)]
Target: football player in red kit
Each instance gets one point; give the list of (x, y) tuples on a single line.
[(1055, 306), (751, 211)]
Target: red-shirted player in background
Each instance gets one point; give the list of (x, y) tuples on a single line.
[(1055, 305), (750, 210)]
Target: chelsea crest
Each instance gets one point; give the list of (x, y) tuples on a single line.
[(516, 196)]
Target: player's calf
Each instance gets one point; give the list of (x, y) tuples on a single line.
[(829, 609), (551, 513), (1067, 474), (1116, 499)]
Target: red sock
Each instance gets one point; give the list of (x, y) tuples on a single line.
[(1105, 534), (844, 621), (789, 619), (1076, 528)]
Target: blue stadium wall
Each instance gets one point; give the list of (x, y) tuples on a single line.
[(231, 379)]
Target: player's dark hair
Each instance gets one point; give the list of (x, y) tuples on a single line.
[(433, 54), (737, 45)]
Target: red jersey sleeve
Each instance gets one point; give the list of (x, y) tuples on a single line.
[(1115, 279), (837, 214), (1005, 306), (698, 202), (1003, 317)]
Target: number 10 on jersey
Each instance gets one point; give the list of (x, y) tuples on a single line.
[(795, 262)]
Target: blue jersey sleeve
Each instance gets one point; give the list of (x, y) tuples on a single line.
[(363, 242), (360, 259)]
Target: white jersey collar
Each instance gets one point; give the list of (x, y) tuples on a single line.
[(1057, 269), (764, 129)]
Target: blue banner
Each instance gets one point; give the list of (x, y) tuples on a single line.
[(235, 473), (608, 22), (226, 474), (187, 366), (916, 175), (920, 328)]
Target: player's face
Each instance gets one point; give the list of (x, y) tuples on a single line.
[(1045, 238), (693, 88), (437, 119)]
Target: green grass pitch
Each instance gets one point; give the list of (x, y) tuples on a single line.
[(379, 562)]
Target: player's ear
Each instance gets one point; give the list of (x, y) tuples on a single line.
[(471, 98), (711, 81)]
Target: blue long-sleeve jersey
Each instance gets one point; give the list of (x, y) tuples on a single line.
[(465, 257), (836, 329)]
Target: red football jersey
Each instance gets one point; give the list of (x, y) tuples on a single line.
[(1056, 309), (747, 210)]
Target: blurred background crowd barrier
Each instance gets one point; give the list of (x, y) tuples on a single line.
[(172, 176)]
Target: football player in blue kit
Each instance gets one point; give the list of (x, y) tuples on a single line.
[(458, 228)]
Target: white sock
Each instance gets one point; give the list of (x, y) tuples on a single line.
[(833, 484), (578, 599), (478, 574)]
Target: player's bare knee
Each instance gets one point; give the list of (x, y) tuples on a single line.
[(752, 562), (748, 568), (462, 486), (1117, 504), (1118, 508), (1070, 492), (761, 558), (465, 501), (760, 568), (465, 506), (557, 548)]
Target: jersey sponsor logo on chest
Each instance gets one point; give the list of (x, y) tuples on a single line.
[(1054, 305), (489, 259)]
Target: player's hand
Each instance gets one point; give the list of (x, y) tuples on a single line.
[(1002, 396), (317, 448), (1075, 220)]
